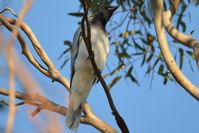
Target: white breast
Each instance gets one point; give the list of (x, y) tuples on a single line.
[(100, 46)]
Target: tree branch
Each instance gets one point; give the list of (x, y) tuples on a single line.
[(87, 39), (11, 66), (171, 64), (51, 72), (25, 49), (186, 40), (46, 104)]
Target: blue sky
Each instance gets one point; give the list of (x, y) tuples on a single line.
[(159, 109)]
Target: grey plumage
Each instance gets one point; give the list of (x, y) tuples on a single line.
[(82, 73)]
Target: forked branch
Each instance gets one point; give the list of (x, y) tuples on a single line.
[(186, 40), (171, 64), (46, 104), (50, 71)]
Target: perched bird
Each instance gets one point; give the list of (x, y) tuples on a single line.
[(82, 73)]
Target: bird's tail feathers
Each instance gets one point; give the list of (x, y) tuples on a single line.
[(73, 118)]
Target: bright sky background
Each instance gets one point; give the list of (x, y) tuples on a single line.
[(159, 109)]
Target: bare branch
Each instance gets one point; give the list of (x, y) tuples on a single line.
[(186, 40), (51, 72), (25, 49), (87, 40), (171, 64), (11, 66), (46, 104), (11, 11)]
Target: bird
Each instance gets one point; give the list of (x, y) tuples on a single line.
[(83, 76)]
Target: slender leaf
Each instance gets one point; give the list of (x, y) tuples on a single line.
[(114, 81), (181, 51), (161, 68), (76, 14)]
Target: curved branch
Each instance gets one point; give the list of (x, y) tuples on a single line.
[(24, 47), (10, 10), (52, 73), (172, 66), (46, 104), (89, 118), (186, 40)]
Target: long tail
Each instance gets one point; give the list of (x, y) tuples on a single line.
[(81, 84), (73, 118)]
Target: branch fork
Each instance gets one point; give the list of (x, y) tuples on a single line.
[(51, 72)]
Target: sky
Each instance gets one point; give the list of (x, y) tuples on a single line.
[(159, 109)]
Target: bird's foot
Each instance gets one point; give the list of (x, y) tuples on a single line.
[(98, 72)]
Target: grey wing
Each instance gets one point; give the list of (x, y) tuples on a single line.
[(74, 52)]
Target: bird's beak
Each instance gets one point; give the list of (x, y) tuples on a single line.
[(112, 8)]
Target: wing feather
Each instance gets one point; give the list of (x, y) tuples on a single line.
[(75, 48)]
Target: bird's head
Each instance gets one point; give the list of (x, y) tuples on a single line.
[(103, 13)]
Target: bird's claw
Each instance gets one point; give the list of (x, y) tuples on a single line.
[(98, 72)]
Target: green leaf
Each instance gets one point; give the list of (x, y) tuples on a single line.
[(76, 14), (146, 18), (179, 20), (144, 58), (114, 81), (137, 54), (166, 78), (191, 54), (128, 33), (68, 43), (117, 69), (63, 53), (137, 46), (129, 71), (152, 47), (124, 55), (161, 68), (183, 26), (120, 67), (129, 75), (148, 70), (133, 79), (65, 62), (156, 61), (150, 57), (181, 51)]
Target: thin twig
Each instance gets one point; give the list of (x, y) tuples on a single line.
[(11, 11), (20, 103), (87, 39), (11, 67), (52, 72), (25, 50), (36, 111)]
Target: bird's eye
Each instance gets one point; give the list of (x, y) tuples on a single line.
[(106, 6)]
